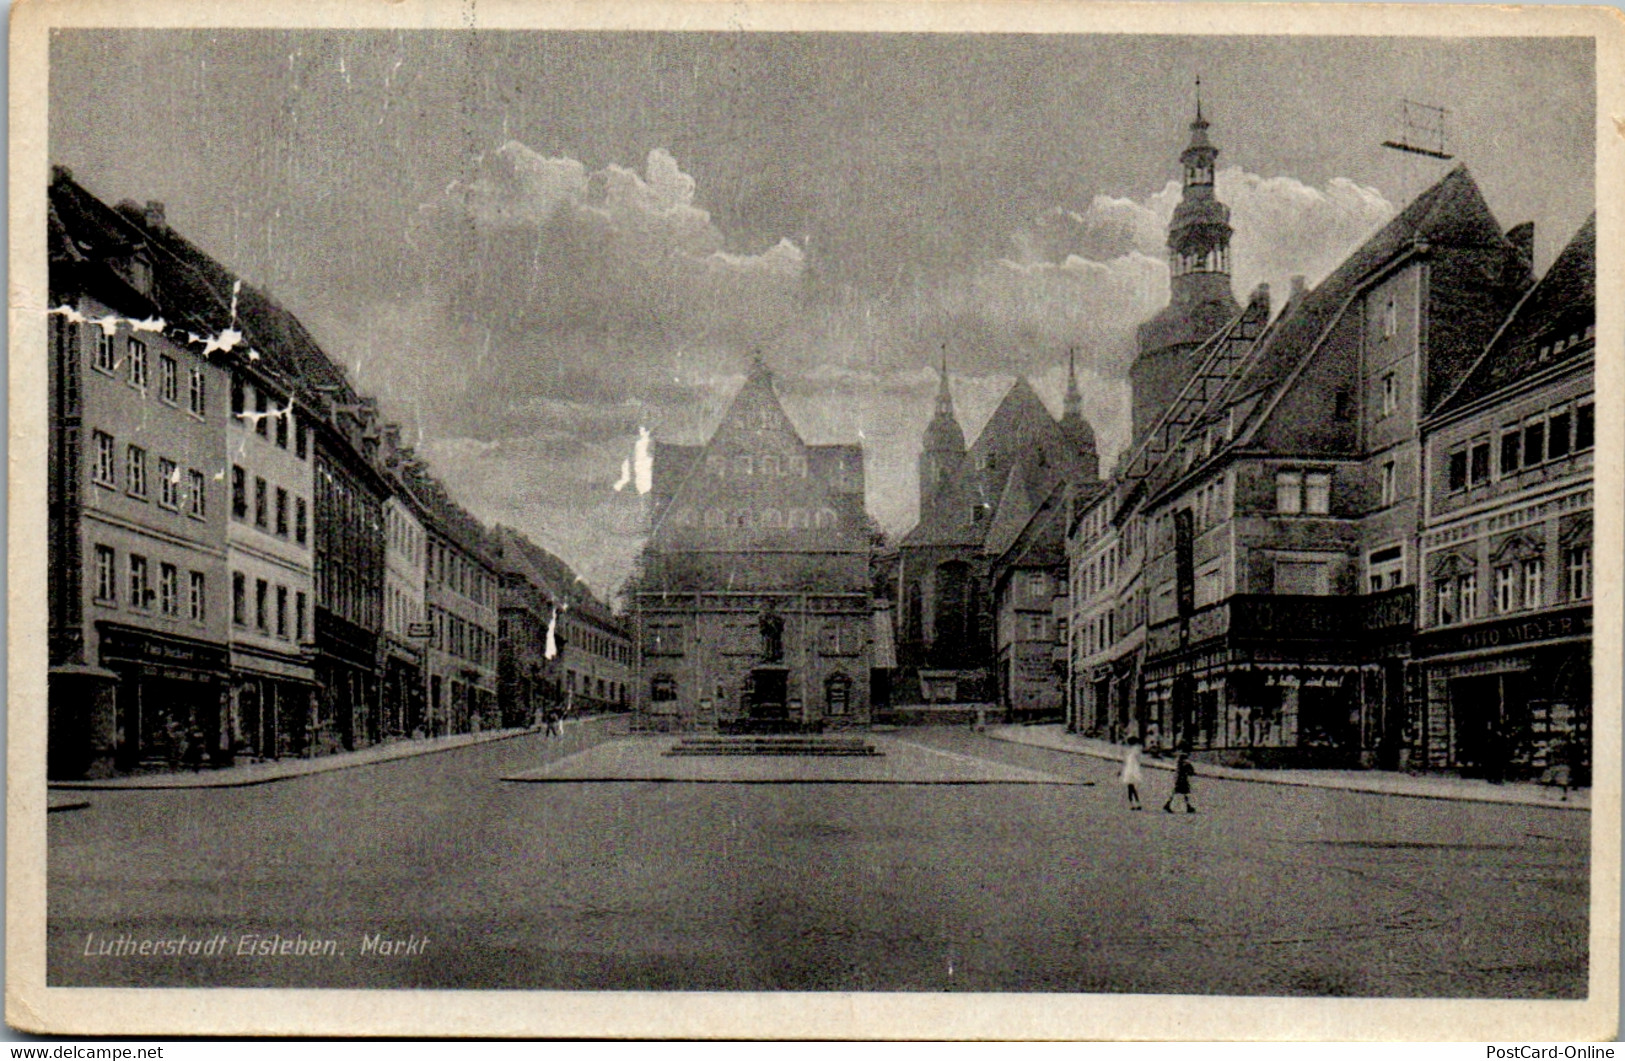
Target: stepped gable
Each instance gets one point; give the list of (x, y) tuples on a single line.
[(1547, 327), (757, 485)]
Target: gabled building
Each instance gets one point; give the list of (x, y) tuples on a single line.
[(1503, 657), (1031, 614), (751, 607), (973, 502)]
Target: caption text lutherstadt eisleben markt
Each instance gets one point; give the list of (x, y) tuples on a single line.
[(252, 945)]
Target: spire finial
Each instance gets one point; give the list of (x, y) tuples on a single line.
[(1198, 97)]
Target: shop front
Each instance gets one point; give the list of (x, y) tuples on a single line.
[(171, 699), (1507, 699), (273, 698), (346, 655)]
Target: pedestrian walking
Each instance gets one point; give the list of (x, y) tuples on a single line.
[(1131, 773), (1183, 772), (553, 727)]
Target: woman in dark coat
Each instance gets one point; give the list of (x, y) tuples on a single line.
[(1183, 772)]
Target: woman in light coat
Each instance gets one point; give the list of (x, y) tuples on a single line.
[(1131, 773)]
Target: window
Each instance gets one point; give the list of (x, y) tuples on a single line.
[(282, 430), (1534, 443), (1585, 427), (1458, 471), (140, 589), (1390, 318), (1579, 572), (1479, 465), (1385, 568), (106, 472), (1444, 595), (1511, 447), (1317, 493), (837, 694), (1209, 585), (105, 361), (169, 380), (1390, 393), (1557, 435), (262, 405), (259, 501), (1505, 589), (1389, 484), (169, 483), (281, 512), (239, 599), (662, 688), (198, 397), (262, 603), (239, 492), (282, 611), (1037, 585), (238, 405), (299, 443), (1288, 493), (197, 598), (1311, 578), (1033, 627), (198, 496), (1534, 577), (1468, 595), (135, 471), (743, 464), (169, 601), (299, 527), (106, 576), (299, 616), (137, 357)]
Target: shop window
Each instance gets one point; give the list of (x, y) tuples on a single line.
[(1578, 572)]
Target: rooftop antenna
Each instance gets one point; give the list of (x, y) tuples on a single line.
[(1422, 130)]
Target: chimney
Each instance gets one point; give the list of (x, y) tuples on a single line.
[(1522, 237), (153, 214), (61, 175)]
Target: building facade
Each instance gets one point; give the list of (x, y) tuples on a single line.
[(461, 589), (1503, 659), (1032, 611), (406, 628), (140, 665), (751, 608)]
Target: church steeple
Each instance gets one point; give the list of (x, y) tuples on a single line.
[(943, 449), (1199, 235), (1076, 429)]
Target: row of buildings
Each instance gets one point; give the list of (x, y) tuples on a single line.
[(1350, 529), (1355, 530), (245, 561)]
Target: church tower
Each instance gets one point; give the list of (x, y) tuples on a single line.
[(943, 450), (1073, 425), (1199, 277)]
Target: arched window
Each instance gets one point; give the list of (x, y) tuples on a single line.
[(837, 694)]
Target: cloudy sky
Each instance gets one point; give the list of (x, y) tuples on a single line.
[(530, 245)]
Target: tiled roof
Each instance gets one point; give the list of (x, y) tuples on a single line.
[(1550, 325)]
